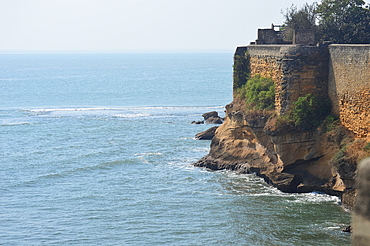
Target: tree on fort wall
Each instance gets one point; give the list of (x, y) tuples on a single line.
[(339, 21), (299, 19), (345, 21)]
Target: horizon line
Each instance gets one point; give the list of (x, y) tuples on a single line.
[(115, 51)]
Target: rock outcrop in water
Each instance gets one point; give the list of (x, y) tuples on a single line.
[(207, 134), (212, 118)]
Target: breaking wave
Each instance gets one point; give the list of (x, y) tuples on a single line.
[(121, 112)]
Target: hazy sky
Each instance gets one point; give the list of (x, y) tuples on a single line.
[(135, 25)]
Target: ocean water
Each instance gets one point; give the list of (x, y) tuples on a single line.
[(96, 149)]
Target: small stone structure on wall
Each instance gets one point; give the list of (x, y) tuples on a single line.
[(272, 36), (305, 37)]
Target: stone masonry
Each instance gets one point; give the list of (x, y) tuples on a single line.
[(349, 86), (341, 72), (297, 70)]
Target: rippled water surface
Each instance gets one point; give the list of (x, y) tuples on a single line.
[(96, 149)]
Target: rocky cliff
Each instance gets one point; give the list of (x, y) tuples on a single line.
[(293, 160)]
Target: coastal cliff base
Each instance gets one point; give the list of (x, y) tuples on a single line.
[(292, 161)]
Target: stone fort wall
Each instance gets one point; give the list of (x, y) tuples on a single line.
[(341, 72), (349, 86), (296, 70)]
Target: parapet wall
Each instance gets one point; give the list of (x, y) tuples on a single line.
[(349, 86), (341, 72)]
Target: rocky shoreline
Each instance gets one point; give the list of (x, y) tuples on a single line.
[(290, 161)]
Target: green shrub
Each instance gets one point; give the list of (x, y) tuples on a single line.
[(331, 123), (259, 92), (309, 111)]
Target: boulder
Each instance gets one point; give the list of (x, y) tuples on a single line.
[(210, 114), (347, 229), (212, 118), (197, 122), (206, 135)]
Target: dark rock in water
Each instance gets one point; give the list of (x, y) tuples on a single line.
[(206, 135), (210, 114), (212, 118), (197, 122), (347, 229)]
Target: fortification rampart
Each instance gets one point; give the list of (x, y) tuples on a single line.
[(297, 70), (341, 72), (349, 86)]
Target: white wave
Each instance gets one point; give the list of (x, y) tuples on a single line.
[(47, 110), (142, 156), (200, 149), (15, 123), (119, 112), (250, 181), (312, 197), (131, 115), (315, 197), (331, 228), (149, 153), (119, 108)]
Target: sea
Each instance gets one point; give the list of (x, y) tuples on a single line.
[(97, 149)]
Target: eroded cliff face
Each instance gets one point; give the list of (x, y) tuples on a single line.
[(291, 161)]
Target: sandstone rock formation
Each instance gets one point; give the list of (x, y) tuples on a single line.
[(207, 134), (293, 162)]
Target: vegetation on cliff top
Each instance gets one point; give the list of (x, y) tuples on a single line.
[(350, 154), (339, 21), (308, 113), (351, 150), (258, 93)]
